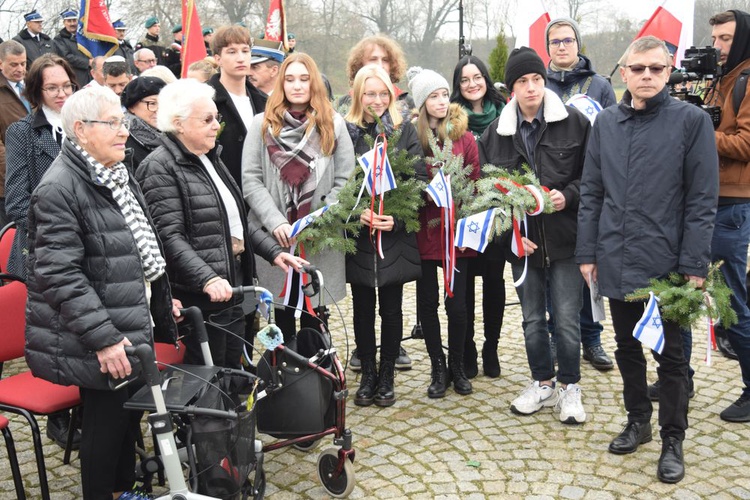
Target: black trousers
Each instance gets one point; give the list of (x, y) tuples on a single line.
[(108, 436), (226, 334), (455, 307), (672, 371), (493, 297), (391, 320)]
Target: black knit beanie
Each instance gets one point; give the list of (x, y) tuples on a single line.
[(523, 61)]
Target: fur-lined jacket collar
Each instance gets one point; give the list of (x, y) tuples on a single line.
[(458, 121), (554, 111)]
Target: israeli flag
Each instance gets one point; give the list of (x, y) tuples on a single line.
[(305, 221), (649, 330), (475, 231), (586, 105), (385, 180), (439, 190)]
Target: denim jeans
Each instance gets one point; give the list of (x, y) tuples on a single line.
[(730, 242), (565, 290), (591, 331)]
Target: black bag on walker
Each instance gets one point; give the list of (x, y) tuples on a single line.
[(299, 397)]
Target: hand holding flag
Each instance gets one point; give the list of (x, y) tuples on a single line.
[(305, 221)]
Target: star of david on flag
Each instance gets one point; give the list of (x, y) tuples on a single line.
[(586, 105), (649, 329), (385, 180), (305, 221), (475, 231), (440, 190)]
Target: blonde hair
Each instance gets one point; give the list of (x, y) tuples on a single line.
[(319, 110), (207, 67), (424, 132), (356, 112)]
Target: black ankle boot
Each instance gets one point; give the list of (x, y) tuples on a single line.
[(385, 395), (461, 383), (439, 377), (470, 359), (490, 362), (368, 383)]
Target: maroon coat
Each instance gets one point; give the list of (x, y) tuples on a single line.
[(428, 238)]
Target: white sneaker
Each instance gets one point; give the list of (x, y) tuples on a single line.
[(533, 399), (569, 405)]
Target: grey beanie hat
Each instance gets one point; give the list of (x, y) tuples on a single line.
[(564, 21), (423, 82)]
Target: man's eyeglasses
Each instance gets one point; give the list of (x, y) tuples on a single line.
[(638, 69), (565, 41), (151, 105), (208, 119), (384, 96), (148, 61), (476, 80), (68, 89), (114, 123)]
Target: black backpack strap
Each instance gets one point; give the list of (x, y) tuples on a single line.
[(738, 92)]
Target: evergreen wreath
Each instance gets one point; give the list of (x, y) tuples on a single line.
[(463, 187), (337, 227), (517, 200), (680, 302)]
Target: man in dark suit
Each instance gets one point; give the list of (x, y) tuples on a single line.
[(12, 72)]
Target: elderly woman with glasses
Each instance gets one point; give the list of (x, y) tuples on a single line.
[(33, 142), (96, 283), (141, 100), (201, 218)]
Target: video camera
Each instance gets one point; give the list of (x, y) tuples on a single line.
[(701, 64)]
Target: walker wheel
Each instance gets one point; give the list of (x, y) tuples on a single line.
[(306, 445), (342, 485)]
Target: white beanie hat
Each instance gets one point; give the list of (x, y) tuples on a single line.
[(423, 82)]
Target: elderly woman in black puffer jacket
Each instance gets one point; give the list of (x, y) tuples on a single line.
[(96, 283), (201, 218)]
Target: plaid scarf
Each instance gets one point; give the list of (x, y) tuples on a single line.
[(116, 180), (294, 153)]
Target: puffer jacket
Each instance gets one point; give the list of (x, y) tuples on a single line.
[(733, 137), (430, 243), (558, 156), (648, 210), (87, 288), (192, 222), (66, 46), (581, 80), (401, 263)]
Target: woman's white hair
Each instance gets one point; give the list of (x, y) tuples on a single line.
[(161, 72), (86, 104), (177, 100)]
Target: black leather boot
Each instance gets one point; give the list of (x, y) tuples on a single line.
[(671, 464), (368, 383), (470, 358), (490, 362), (439, 377), (385, 395), (461, 383)]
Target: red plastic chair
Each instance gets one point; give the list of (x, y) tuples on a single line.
[(6, 243), (24, 394), (10, 445)]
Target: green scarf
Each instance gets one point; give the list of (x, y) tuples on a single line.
[(478, 122)]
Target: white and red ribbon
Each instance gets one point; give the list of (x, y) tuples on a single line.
[(710, 334), (377, 179), (303, 301), (516, 243)]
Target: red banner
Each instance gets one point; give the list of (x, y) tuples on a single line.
[(193, 47)]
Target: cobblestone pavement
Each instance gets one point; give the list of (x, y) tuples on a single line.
[(473, 446)]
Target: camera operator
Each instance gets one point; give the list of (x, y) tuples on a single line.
[(730, 34)]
